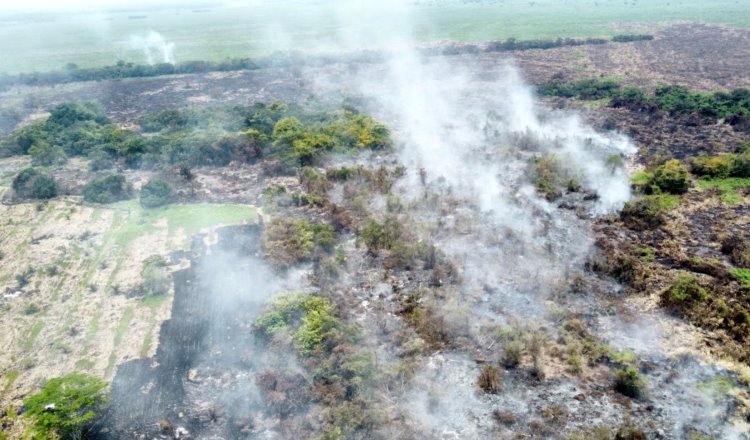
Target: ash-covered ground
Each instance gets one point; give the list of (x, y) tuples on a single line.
[(475, 309)]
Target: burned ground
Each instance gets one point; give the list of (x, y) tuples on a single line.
[(701, 57), (433, 290)]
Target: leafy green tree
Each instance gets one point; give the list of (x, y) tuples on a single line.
[(156, 193), (66, 406), (287, 130), (31, 183), (107, 190)]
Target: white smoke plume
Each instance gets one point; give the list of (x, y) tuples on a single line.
[(156, 48)]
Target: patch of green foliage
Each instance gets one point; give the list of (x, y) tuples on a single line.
[(32, 183), (648, 212), (154, 276), (646, 253), (743, 275), (109, 189), (289, 242), (311, 320), (686, 291), (629, 382), (66, 406), (290, 135), (676, 100), (587, 89), (672, 177), (718, 387), (722, 165), (156, 193), (72, 129), (731, 188)]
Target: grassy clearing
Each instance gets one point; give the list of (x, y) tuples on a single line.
[(731, 188), (98, 38), (189, 218), (131, 221)]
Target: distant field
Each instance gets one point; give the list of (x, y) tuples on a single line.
[(48, 42)]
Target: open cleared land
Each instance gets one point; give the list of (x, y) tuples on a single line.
[(66, 273), (40, 43)]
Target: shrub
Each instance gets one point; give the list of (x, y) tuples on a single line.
[(686, 291), (713, 166), (156, 193), (381, 235), (66, 406), (311, 318), (31, 309), (648, 212), (489, 379), (548, 181), (32, 183), (70, 113), (107, 190), (288, 242), (155, 276), (738, 249), (629, 382), (672, 177)]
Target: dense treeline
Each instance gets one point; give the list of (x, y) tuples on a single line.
[(733, 106), (288, 136), (73, 73)]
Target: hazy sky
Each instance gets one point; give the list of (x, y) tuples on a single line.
[(54, 5)]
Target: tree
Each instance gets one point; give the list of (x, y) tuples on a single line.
[(66, 406), (31, 183), (156, 193)]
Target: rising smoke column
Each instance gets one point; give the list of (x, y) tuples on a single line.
[(155, 48)]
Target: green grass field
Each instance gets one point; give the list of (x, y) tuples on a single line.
[(48, 42)]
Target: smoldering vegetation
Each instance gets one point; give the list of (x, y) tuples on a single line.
[(437, 282)]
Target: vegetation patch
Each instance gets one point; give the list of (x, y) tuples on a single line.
[(648, 212), (66, 406), (743, 275), (156, 193), (32, 183), (107, 190), (289, 242)]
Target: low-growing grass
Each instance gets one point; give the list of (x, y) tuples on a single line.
[(743, 275), (190, 218), (729, 187), (122, 326), (33, 333), (641, 178)]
